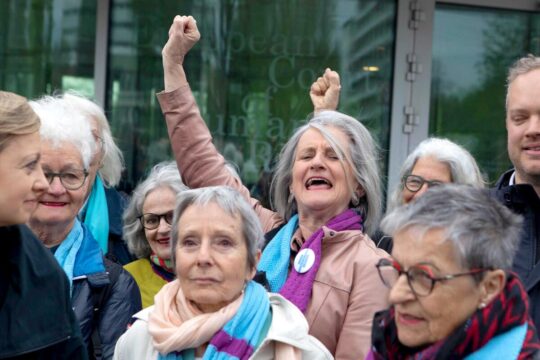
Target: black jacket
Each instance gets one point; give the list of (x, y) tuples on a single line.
[(116, 204), (522, 199), (104, 302), (36, 319)]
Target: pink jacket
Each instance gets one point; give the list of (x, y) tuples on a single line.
[(347, 290)]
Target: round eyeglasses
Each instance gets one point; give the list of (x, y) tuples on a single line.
[(71, 180), (414, 183), (151, 221), (419, 277)]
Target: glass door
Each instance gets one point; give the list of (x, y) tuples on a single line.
[(472, 50)]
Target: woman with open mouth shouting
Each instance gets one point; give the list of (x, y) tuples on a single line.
[(326, 196), (147, 229)]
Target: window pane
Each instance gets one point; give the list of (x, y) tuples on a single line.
[(472, 50), (250, 72), (46, 45)]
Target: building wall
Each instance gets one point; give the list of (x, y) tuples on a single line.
[(405, 66)]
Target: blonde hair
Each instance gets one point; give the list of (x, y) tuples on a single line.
[(16, 117), (522, 66)]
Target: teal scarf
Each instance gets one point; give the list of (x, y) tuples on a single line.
[(276, 256), (96, 214), (68, 249)]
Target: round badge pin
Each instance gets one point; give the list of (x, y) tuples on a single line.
[(304, 260)]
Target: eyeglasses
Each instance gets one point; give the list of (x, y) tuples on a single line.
[(420, 278), (71, 180), (414, 183), (151, 221)]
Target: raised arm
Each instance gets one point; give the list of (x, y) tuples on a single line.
[(325, 91), (183, 34), (197, 157)]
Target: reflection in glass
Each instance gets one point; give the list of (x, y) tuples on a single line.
[(47, 45), (251, 73), (472, 50)]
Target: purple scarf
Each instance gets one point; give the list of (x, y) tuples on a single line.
[(298, 286)]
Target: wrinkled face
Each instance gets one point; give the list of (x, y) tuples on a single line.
[(425, 320), (59, 206), (320, 181), (159, 202), (429, 169), (211, 257), (21, 178), (523, 127)]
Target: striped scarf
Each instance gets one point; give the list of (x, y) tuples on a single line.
[(233, 332), (162, 268)]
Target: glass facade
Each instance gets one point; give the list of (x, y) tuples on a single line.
[(253, 67), (472, 50), (250, 72), (47, 45)]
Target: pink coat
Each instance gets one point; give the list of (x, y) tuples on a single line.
[(347, 290)]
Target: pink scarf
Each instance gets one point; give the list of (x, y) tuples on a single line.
[(175, 324)]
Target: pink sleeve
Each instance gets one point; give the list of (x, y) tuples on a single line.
[(198, 160), (368, 296)]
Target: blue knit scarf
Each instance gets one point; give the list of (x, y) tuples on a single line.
[(276, 257)]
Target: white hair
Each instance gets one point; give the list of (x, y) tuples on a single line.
[(484, 233), (113, 160), (463, 168), (62, 124)]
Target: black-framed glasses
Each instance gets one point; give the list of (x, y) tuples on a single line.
[(419, 277), (151, 221), (71, 180), (414, 183)]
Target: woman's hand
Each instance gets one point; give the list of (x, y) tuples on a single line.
[(183, 34), (325, 91)]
